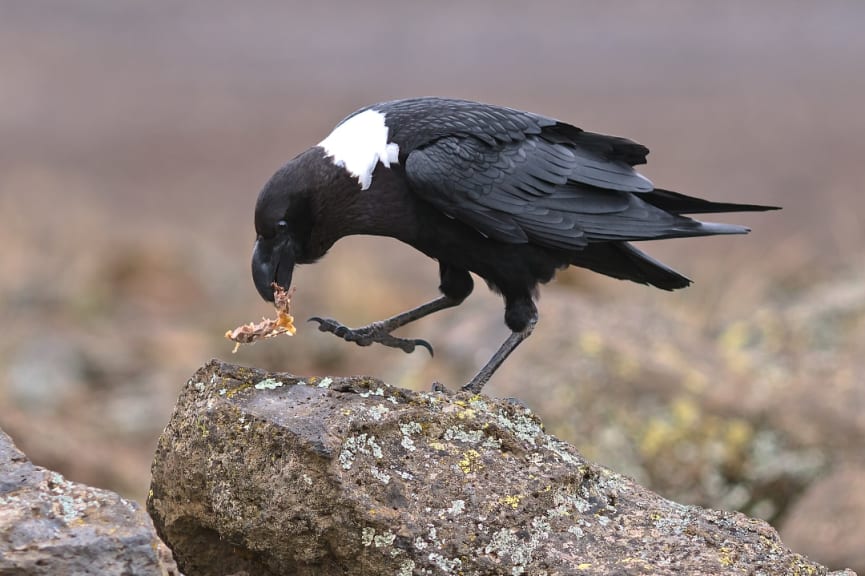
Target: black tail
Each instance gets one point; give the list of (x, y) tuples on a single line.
[(681, 204), (621, 260)]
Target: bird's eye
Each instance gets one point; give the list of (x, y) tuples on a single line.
[(281, 227)]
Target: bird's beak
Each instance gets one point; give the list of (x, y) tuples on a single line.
[(272, 261)]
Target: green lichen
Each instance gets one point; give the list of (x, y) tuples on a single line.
[(384, 539), (380, 475), (518, 551), (408, 429), (378, 411), (447, 565), (460, 434), (377, 392), (457, 507), (406, 568), (522, 426), (561, 450), (360, 444), (268, 384), (478, 403)]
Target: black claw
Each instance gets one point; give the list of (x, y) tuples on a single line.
[(322, 323), (370, 334), (426, 345)]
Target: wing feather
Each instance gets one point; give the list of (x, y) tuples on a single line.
[(520, 177), (524, 191)]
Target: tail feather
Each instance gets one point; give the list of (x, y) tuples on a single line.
[(678, 203), (713, 228), (621, 260)]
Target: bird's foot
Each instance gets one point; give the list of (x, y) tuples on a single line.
[(377, 332), (438, 387)]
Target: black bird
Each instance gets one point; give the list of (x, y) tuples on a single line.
[(508, 195)]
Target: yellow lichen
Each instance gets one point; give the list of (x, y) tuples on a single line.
[(470, 462), (512, 501), (238, 389), (725, 556)]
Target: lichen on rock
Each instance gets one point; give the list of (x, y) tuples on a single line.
[(303, 479)]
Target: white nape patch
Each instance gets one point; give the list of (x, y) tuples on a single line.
[(359, 143)]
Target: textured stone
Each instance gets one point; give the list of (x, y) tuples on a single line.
[(274, 474), (50, 526)]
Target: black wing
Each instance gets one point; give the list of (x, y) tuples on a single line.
[(518, 177)]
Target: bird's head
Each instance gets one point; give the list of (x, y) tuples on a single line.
[(283, 221)]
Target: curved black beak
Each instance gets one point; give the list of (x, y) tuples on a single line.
[(272, 261)]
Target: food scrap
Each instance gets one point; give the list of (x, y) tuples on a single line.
[(267, 328)]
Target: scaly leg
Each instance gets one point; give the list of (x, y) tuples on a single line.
[(380, 332), (484, 374)]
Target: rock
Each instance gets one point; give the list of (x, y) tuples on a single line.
[(828, 522), (49, 525), (269, 473), (658, 404)]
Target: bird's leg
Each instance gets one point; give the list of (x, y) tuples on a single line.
[(380, 332), (456, 285), (484, 374), (521, 316)]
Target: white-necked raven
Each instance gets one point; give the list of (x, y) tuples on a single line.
[(508, 195)]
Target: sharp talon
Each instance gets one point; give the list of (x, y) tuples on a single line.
[(438, 387), (426, 345), (374, 333), (329, 325)]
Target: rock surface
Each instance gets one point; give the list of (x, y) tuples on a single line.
[(270, 473), (51, 526)]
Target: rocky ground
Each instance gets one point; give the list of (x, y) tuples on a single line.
[(371, 479)]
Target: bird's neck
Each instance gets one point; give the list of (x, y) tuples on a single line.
[(341, 209)]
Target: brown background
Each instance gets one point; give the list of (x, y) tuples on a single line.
[(135, 136)]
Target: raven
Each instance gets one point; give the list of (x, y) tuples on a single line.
[(510, 196)]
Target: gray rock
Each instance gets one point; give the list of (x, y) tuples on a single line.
[(51, 526), (269, 473)]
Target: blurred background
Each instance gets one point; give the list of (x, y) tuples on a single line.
[(134, 138)]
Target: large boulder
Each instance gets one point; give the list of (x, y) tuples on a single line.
[(51, 526), (268, 473)]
